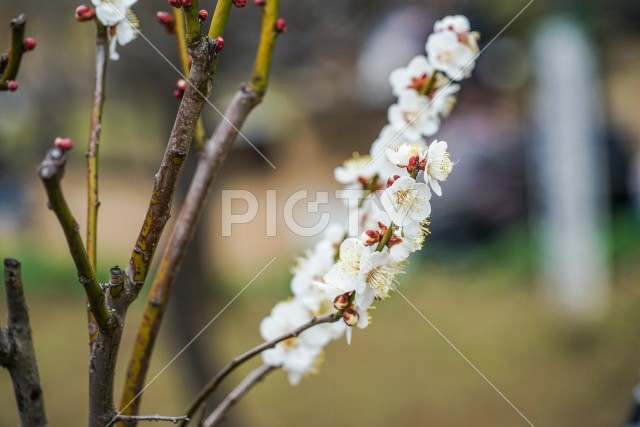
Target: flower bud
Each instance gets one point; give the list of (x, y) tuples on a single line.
[(203, 15), (12, 85), (167, 21), (182, 85), (186, 3), (29, 44), (178, 94), (63, 143), (391, 180), (350, 317), (84, 13), (370, 237), (341, 302), (281, 26), (219, 44), (176, 3), (239, 3)]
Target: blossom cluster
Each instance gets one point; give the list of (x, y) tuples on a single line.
[(347, 272), (122, 25)]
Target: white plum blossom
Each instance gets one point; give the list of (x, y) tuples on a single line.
[(403, 154), (405, 240), (453, 47), (418, 115), (111, 12), (313, 267), (369, 273), (407, 200), (439, 165), (298, 356), (415, 77), (123, 33), (354, 170), (120, 21)]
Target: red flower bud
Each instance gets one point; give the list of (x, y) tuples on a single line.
[(63, 143), (167, 20), (413, 160), (84, 13), (239, 3), (176, 3), (12, 85), (182, 85), (350, 317), (391, 180), (186, 3), (178, 94), (203, 15), (341, 302), (281, 26), (29, 44), (219, 44)]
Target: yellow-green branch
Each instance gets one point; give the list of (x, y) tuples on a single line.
[(93, 201), (262, 65)]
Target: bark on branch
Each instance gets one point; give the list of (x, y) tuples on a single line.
[(17, 353), (11, 65)]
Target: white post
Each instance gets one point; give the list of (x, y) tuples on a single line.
[(570, 167)]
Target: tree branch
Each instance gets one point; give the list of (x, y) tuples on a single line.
[(172, 164), (10, 71), (17, 353), (250, 380), (262, 65), (136, 418), (93, 201), (239, 360), (51, 171)]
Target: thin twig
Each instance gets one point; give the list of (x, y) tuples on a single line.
[(248, 355), (93, 146), (17, 39), (136, 418), (51, 171), (21, 360), (250, 380)]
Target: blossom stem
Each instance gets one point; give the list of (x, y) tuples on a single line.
[(193, 25), (249, 381), (431, 83), (51, 170), (262, 65), (17, 39), (219, 19), (93, 202), (385, 238), (248, 355)]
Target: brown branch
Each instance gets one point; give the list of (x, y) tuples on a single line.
[(12, 66), (248, 355), (93, 146), (51, 171), (17, 353), (136, 418), (250, 380), (173, 161)]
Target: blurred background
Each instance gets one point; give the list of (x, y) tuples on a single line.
[(531, 269)]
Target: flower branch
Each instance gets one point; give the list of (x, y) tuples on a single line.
[(17, 353), (10, 61), (250, 380), (136, 418), (248, 355), (51, 171), (93, 145)]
